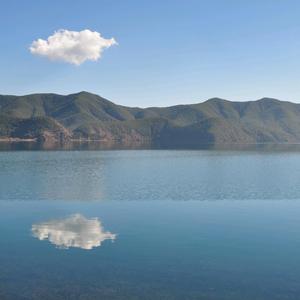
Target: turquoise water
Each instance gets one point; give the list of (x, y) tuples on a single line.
[(149, 224)]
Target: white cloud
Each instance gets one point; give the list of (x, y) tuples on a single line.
[(73, 231), (74, 47)]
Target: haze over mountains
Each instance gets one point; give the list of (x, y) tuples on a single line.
[(85, 116)]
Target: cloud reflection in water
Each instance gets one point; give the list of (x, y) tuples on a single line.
[(74, 231)]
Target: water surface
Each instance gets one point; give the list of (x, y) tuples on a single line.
[(149, 224)]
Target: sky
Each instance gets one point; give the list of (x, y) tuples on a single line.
[(153, 53)]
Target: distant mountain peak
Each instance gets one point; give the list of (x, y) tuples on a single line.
[(216, 99), (264, 99), (83, 93)]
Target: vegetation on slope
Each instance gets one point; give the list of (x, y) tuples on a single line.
[(87, 116)]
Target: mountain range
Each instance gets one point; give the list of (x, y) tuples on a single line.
[(88, 117)]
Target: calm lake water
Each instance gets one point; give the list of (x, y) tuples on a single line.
[(150, 224)]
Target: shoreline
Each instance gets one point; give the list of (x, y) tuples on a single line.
[(16, 140), (35, 140)]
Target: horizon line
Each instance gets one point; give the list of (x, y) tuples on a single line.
[(113, 101)]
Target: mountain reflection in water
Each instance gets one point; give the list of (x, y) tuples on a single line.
[(74, 231)]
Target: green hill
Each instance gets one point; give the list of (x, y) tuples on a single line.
[(85, 116)]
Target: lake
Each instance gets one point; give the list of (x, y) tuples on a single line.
[(150, 224)]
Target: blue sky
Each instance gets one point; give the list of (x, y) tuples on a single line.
[(168, 52)]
